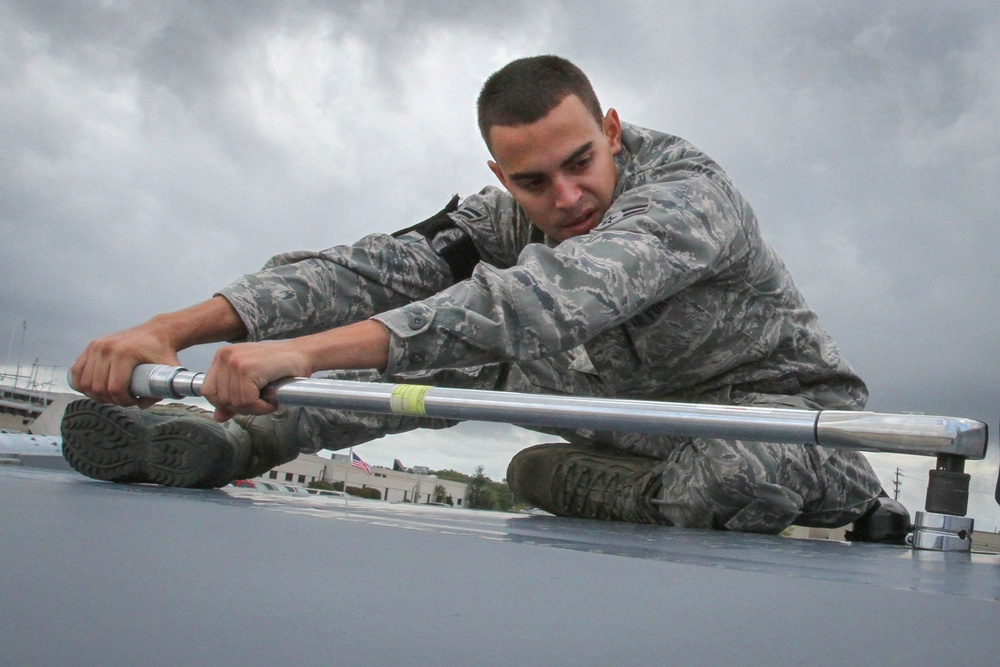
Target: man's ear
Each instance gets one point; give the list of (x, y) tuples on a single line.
[(612, 128), (498, 172)]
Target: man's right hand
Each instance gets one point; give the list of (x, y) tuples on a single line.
[(104, 370)]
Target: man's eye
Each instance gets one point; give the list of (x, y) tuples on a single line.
[(581, 164), (532, 186)]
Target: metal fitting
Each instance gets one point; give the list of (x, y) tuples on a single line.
[(941, 532)]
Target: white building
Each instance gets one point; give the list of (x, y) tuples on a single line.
[(393, 485)]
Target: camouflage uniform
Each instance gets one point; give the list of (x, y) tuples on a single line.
[(674, 296)]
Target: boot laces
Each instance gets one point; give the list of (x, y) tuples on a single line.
[(590, 488), (270, 439)]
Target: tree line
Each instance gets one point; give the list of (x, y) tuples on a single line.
[(484, 493)]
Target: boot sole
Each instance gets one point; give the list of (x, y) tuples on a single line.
[(131, 446)]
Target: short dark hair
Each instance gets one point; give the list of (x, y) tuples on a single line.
[(525, 90)]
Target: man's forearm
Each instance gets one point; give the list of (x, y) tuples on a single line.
[(363, 344), (211, 321)]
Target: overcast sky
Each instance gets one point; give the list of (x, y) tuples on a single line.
[(153, 152)]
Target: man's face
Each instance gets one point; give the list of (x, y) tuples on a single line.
[(561, 168)]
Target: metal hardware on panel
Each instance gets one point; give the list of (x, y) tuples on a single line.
[(944, 526), (941, 532)]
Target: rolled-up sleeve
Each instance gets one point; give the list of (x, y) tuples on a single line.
[(300, 293), (304, 292)]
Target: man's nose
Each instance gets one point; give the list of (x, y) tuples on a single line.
[(567, 193)]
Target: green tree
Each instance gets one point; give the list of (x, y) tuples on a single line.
[(480, 494), (440, 494), (452, 476), (504, 496), (366, 492), (484, 493)]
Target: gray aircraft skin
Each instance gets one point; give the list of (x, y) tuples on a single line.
[(95, 573)]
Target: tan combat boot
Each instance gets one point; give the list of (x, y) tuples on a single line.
[(605, 483), (174, 444)]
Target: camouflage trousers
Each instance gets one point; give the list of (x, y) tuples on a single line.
[(709, 483)]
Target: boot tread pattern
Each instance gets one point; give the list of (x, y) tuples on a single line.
[(130, 446)]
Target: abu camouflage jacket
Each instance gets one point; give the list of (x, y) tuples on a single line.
[(674, 296)]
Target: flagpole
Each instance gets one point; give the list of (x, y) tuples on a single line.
[(347, 473)]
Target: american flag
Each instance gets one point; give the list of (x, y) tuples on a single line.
[(356, 462)]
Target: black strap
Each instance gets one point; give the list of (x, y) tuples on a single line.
[(460, 253)]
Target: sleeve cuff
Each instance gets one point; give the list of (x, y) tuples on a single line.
[(238, 298), (405, 326)]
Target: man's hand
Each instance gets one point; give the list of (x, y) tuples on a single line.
[(239, 372), (104, 370)]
